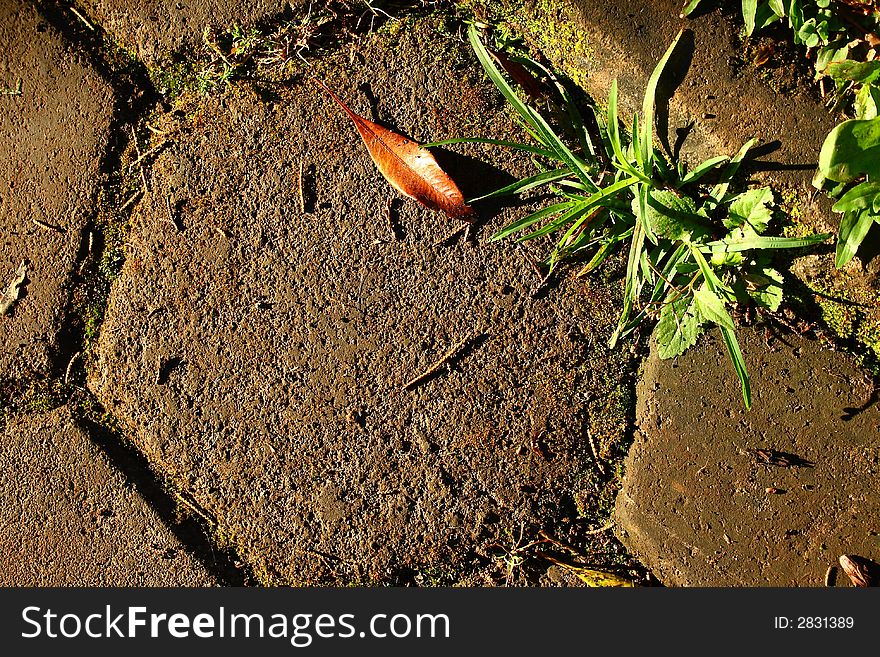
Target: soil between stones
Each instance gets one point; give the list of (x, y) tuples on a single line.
[(259, 355)]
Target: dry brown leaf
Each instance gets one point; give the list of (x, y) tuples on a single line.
[(520, 75), (410, 169), (12, 293), (861, 572)]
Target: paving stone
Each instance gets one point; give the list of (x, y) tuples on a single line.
[(157, 29), (52, 137), (68, 518), (700, 509), (259, 356)]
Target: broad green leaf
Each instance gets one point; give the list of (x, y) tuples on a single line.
[(852, 71), (852, 149), (765, 287), (672, 216), (867, 102), (860, 197), (678, 327), (853, 228), (751, 209), (711, 307)]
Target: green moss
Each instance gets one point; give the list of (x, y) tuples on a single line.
[(547, 25)]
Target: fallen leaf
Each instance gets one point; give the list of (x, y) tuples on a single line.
[(410, 169), (592, 577), (861, 571), (12, 293)]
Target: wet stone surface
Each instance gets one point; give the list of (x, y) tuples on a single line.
[(715, 495), (69, 518), (53, 137), (259, 356)]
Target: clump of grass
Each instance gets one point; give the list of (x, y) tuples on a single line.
[(695, 250)]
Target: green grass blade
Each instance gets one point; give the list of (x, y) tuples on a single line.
[(739, 364), (571, 215), (702, 170), (690, 8), (633, 285), (535, 150), (525, 184), (761, 242), (527, 221), (720, 190), (736, 357), (646, 145)]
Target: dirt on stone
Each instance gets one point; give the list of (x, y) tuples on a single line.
[(69, 518), (54, 124), (715, 495), (259, 338)]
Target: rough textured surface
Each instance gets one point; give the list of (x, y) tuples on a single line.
[(260, 355), (695, 506), (157, 29), (52, 137), (69, 519)]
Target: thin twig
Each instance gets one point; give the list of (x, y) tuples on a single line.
[(146, 154), (140, 157), (69, 369), (595, 452), (437, 366), (134, 197), (302, 193), (601, 530), (82, 18), (46, 225)]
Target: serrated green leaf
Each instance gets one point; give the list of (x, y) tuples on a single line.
[(678, 328), (711, 307), (752, 210), (765, 287)]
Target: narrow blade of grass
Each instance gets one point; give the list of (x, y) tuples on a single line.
[(702, 170), (527, 148), (762, 242), (720, 190), (527, 221), (525, 184), (646, 144)]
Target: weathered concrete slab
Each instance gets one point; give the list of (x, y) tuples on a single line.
[(157, 29), (52, 136), (69, 519), (700, 509), (260, 355)]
